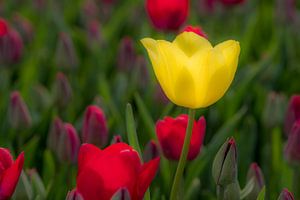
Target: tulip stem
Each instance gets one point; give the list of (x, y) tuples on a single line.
[(183, 157)]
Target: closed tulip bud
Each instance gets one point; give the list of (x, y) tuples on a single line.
[(167, 15), (3, 27), (256, 174), (90, 9), (56, 130), (11, 47), (62, 90), (94, 128), (121, 194), (196, 29), (292, 148), (292, 113), (151, 151), (116, 139), (19, 116), (10, 171), (286, 195), (231, 2), (66, 56), (126, 54), (68, 145), (24, 27), (74, 195), (102, 173), (224, 167), (94, 34), (274, 110), (171, 133), (197, 67)]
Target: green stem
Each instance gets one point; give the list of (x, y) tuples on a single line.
[(183, 157), (296, 182)]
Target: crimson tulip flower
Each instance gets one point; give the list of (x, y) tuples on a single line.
[(292, 113), (167, 15), (171, 133), (101, 173), (3, 27), (9, 173)]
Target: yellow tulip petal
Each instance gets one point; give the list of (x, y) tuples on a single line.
[(191, 43), (184, 88)]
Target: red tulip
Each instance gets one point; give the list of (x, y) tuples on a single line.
[(101, 173), (196, 29), (231, 2), (171, 134), (3, 27), (292, 114), (94, 129), (9, 173), (292, 148), (167, 14)]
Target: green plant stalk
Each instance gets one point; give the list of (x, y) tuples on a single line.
[(183, 157), (296, 182)]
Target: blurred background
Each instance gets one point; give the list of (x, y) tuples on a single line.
[(58, 57)]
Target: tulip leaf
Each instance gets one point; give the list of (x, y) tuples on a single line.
[(206, 157), (248, 188), (261, 195)]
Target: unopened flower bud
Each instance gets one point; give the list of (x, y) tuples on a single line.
[(116, 139), (256, 174), (94, 35), (126, 54), (224, 167), (94, 128), (56, 130), (121, 194), (292, 113), (19, 116), (66, 56), (274, 109), (150, 151), (292, 148), (286, 195), (74, 195), (62, 90)]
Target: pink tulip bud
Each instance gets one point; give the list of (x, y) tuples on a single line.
[(11, 47), (196, 29), (286, 195), (116, 139), (69, 144), (126, 54), (292, 148), (66, 56), (94, 33), (74, 195), (56, 130), (63, 91), (292, 113), (94, 128), (3, 27), (19, 116), (150, 151), (255, 173)]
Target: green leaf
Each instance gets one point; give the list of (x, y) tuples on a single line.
[(261, 195)]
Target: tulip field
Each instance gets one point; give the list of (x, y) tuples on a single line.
[(150, 99)]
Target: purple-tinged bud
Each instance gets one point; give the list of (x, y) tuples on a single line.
[(274, 111), (56, 130), (286, 195), (90, 10), (3, 27), (94, 35), (116, 139), (94, 128), (126, 54), (68, 145), (11, 47), (19, 116), (74, 195), (256, 174), (151, 151), (24, 27), (62, 90), (121, 194), (292, 113), (224, 167), (292, 148), (66, 56)]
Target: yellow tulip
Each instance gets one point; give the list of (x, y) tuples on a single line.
[(191, 72)]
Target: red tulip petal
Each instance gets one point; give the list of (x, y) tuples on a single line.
[(87, 153), (146, 176), (6, 159), (10, 178)]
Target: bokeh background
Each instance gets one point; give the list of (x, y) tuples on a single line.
[(94, 46)]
